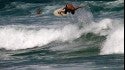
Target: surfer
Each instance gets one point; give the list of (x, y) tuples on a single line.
[(38, 11), (69, 8)]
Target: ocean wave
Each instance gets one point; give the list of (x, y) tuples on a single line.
[(15, 39)]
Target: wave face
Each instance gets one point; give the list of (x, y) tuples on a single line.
[(92, 39)]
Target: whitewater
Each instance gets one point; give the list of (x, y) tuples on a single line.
[(13, 38)]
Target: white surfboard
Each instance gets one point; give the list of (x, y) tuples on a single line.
[(58, 12)]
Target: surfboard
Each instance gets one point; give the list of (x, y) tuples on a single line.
[(58, 12)]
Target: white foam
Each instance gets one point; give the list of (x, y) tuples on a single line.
[(14, 39), (114, 43), (102, 27)]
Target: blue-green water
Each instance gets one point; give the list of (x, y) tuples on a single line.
[(92, 39)]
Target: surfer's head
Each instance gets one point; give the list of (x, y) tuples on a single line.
[(38, 11)]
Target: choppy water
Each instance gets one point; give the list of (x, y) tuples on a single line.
[(92, 39)]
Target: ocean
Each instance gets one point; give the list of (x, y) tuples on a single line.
[(91, 39)]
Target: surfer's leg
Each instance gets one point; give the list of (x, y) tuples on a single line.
[(65, 11), (73, 12)]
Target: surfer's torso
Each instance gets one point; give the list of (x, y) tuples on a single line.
[(69, 8)]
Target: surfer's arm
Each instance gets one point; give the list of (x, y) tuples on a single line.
[(78, 7)]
